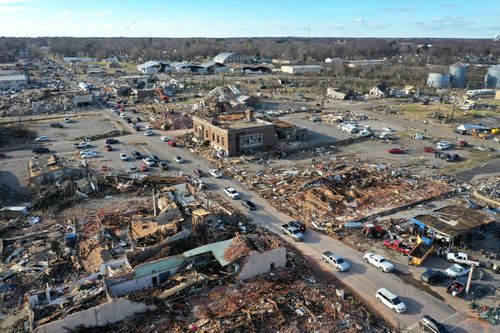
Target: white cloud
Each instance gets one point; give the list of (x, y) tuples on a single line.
[(16, 8)]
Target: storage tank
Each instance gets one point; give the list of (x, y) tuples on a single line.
[(492, 78), (458, 75), (438, 80)]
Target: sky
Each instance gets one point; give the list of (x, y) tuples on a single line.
[(250, 18)]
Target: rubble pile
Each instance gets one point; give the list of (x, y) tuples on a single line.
[(274, 301), (35, 101)]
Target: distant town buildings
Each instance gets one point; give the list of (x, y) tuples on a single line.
[(302, 69)]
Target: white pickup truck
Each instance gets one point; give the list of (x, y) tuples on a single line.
[(378, 261), (461, 258), (295, 233), (340, 264)]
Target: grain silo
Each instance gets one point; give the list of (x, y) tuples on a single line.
[(458, 75), (492, 78), (438, 80)]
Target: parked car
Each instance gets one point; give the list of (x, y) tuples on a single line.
[(293, 232), (299, 225), (432, 277), (148, 126), (365, 133), (67, 119), (337, 261), (40, 150), (123, 157), (154, 158), (108, 147), (248, 204), (149, 161), (199, 173), (112, 141), (387, 129), (390, 300), (42, 138), (178, 159), (136, 154), (455, 271), (443, 145), (215, 173), (123, 115), (429, 149), (56, 125), (164, 138), (231, 192), (82, 145), (163, 165), (378, 261), (396, 151), (149, 133), (429, 324)]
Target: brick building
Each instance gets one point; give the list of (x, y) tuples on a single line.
[(235, 133)]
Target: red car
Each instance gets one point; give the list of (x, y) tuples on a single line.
[(143, 168), (430, 150), (171, 143), (108, 148), (396, 151), (397, 246), (462, 143)]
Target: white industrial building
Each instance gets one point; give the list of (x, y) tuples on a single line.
[(17, 81), (302, 69), (232, 58)]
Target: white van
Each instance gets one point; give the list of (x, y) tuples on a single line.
[(390, 300)]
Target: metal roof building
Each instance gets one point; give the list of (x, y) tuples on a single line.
[(232, 58)]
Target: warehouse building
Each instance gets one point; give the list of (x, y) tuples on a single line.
[(302, 69), (232, 58)]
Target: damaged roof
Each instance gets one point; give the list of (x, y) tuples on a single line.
[(217, 250), (454, 220)]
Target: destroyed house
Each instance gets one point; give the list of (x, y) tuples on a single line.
[(156, 272), (143, 276), (168, 220), (46, 169), (450, 224)]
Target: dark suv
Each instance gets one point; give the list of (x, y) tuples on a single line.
[(136, 154), (431, 277), (299, 225), (57, 125), (429, 324), (40, 150), (111, 141)]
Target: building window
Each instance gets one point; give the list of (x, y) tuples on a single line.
[(222, 141), (218, 139), (213, 137), (251, 140)]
